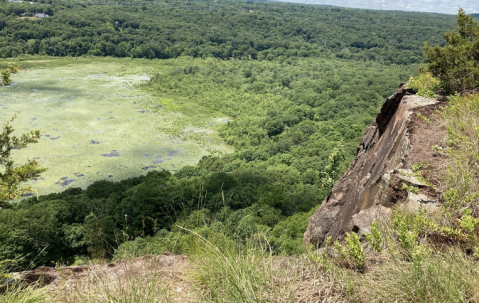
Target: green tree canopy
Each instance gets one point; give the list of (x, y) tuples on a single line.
[(456, 64)]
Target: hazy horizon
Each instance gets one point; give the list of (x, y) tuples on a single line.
[(430, 6)]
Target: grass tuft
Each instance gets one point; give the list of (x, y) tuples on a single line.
[(226, 272), (19, 293)]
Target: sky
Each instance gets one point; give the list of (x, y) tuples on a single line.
[(432, 6)]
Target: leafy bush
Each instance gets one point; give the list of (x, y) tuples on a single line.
[(355, 251), (425, 84), (375, 238)]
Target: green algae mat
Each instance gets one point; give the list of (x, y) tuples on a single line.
[(99, 121)]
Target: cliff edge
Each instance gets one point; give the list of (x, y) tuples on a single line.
[(373, 182)]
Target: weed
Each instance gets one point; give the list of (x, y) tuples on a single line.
[(405, 236), (340, 250), (12, 291), (439, 150), (375, 238), (424, 118), (410, 188), (355, 251), (468, 222)]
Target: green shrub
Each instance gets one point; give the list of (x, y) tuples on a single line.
[(425, 84), (355, 251), (375, 238), (406, 237), (468, 222)]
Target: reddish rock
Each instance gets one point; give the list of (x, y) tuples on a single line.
[(366, 183)]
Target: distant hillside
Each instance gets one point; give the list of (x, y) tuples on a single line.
[(257, 30)]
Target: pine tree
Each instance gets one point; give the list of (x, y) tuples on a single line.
[(12, 176), (456, 65)]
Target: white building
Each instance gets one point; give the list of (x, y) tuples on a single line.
[(41, 15)]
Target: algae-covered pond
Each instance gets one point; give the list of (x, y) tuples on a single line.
[(99, 122)]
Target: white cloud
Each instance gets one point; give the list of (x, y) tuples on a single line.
[(433, 6)]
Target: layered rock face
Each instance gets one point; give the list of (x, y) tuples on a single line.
[(371, 183)]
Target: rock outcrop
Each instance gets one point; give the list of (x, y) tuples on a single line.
[(375, 176), (165, 265)]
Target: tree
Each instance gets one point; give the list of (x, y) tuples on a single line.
[(456, 65), (5, 74), (12, 176)]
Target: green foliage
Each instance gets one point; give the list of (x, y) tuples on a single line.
[(242, 30), (5, 266), (456, 64), (375, 238), (12, 176), (39, 234), (447, 276), (343, 253), (406, 236), (331, 172), (5, 77), (461, 116), (355, 251), (410, 188), (287, 235), (424, 118), (468, 222), (6, 73), (351, 253), (425, 84), (99, 236)]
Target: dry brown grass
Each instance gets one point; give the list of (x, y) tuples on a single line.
[(147, 279), (315, 284)]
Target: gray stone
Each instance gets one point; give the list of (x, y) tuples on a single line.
[(362, 220)]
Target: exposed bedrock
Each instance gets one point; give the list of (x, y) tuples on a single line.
[(373, 179)]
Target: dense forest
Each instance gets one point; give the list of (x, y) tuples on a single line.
[(220, 29), (310, 79), (295, 128)]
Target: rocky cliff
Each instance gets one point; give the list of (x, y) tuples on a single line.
[(372, 184)]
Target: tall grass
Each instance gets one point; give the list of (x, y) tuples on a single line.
[(441, 277), (19, 293), (462, 122), (15, 291), (227, 272)]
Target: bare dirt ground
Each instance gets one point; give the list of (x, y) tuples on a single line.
[(423, 135)]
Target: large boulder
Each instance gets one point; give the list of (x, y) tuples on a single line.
[(362, 221), (373, 177)]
